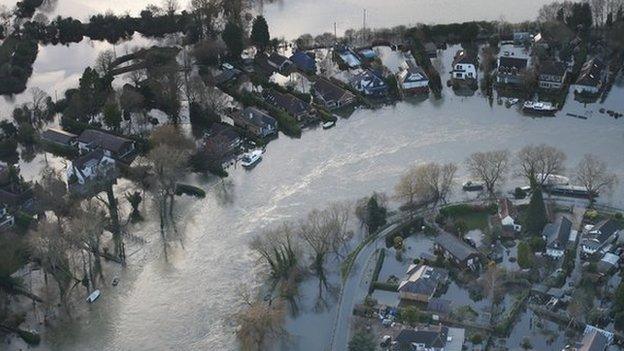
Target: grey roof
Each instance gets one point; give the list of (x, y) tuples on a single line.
[(58, 136), (507, 63), (258, 117), (560, 237), (93, 156), (224, 131), (413, 73), (462, 56), (553, 68), (426, 283), (278, 59), (605, 229), (591, 73), (441, 306), (430, 338), (455, 246), (594, 341), (103, 140), (288, 102), (330, 91)]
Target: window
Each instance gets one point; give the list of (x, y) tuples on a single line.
[(460, 75), (470, 74), (458, 67)]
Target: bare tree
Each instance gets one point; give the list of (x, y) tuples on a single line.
[(490, 167), (537, 163), (104, 62), (425, 184), (169, 159), (259, 323), (324, 231), (593, 173)]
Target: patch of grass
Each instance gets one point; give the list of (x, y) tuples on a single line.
[(474, 220)]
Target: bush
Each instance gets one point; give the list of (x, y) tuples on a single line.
[(519, 193), (476, 339), (525, 256), (385, 286), (190, 190)]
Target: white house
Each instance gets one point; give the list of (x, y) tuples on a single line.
[(465, 66), (599, 236), (412, 78), (89, 166)]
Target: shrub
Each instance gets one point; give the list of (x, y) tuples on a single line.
[(190, 190)]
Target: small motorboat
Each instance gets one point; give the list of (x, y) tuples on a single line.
[(511, 102), (472, 186), (552, 179), (538, 107), (250, 159), (94, 296), (329, 124), (115, 281)]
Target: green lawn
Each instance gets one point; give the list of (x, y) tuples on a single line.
[(474, 220)]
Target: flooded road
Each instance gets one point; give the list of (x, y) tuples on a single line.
[(186, 303)]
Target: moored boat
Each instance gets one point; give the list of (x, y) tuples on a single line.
[(472, 185), (329, 124), (250, 159), (539, 108), (552, 179), (94, 296)]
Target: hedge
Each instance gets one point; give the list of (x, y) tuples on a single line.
[(190, 190), (380, 261), (386, 286)]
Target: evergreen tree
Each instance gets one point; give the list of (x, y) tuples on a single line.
[(536, 213), (233, 37), (362, 342), (260, 33), (376, 215)]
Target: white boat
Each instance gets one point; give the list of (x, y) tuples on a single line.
[(552, 179), (538, 107), (94, 296), (472, 185), (329, 124), (512, 101), (250, 159)]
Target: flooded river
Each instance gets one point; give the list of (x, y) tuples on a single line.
[(186, 302)]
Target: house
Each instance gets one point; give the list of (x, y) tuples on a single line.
[(349, 58), (290, 104), (369, 83), (256, 122), (456, 250), (330, 95), (552, 75), (93, 165), (591, 77), (304, 62), (558, 237), (59, 137), (113, 146), (594, 339), (430, 338), (608, 263), (412, 78), (279, 62), (225, 136), (7, 221), (465, 66), (507, 214), (512, 61), (599, 236), (422, 282)]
